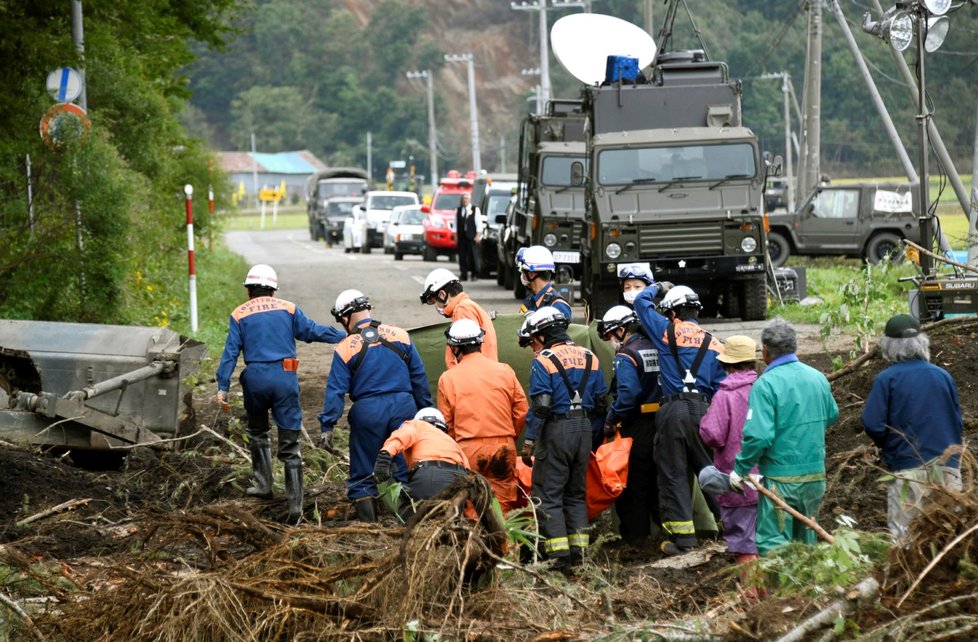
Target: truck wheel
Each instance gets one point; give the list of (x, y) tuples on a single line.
[(884, 245), (778, 248), (753, 300), (711, 306), (508, 277), (731, 301), (519, 290), (313, 232), (366, 247), (398, 256), (428, 253), (500, 274), (602, 300)]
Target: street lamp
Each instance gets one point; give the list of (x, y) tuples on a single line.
[(473, 109), (541, 7), (537, 93), (899, 26), (432, 134)]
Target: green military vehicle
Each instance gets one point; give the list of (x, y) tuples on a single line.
[(342, 183), (867, 221)]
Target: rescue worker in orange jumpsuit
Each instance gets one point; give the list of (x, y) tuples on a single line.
[(485, 408), (567, 398), (434, 460), (443, 290)]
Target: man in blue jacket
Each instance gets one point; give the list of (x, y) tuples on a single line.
[(265, 329), (689, 374), (914, 436), (378, 366), (789, 408)]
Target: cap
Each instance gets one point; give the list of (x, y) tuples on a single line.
[(902, 326), (738, 349)]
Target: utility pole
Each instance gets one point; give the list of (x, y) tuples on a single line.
[(432, 134), (473, 108), (78, 38), (370, 162), (789, 189), (537, 92), (254, 168), (809, 169), (540, 6)]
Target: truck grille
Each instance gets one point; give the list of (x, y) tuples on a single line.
[(687, 239)]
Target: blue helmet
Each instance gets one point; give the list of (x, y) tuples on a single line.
[(535, 258)]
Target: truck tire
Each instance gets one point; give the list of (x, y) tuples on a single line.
[(778, 248), (428, 253), (508, 277), (601, 300), (519, 290), (398, 256), (753, 300), (500, 274), (366, 246), (314, 231), (883, 245), (731, 301)]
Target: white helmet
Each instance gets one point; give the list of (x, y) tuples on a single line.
[(464, 332), (263, 275), (437, 279), (535, 258), (433, 416), (543, 319), (680, 296), (619, 316), (348, 302)]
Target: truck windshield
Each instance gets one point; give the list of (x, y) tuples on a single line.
[(341, 208), (664, 164), (556, 170), (447, 201), (354, 187)]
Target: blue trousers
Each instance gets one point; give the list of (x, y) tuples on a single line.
[(372, 420), (267, 386)]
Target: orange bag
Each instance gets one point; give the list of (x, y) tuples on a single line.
[(607, 474)]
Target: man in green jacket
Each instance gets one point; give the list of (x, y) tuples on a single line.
[(790, 407)]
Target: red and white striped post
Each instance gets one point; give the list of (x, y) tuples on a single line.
[(210, 219), (189, 191)]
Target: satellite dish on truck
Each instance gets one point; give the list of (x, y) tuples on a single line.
[(582, 43)]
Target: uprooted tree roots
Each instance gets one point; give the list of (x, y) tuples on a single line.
[(219, 573)]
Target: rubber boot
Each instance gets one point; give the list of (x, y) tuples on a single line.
[(261, 466), (366, 511), (288, 453), (293, 491)]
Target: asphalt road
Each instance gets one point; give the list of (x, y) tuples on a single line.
[(312, 275)]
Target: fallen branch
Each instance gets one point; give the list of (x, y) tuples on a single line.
[(23, 614), (68, 505), (238, 449), (939, 257), (954, 542), (866, 589), (852, 365)]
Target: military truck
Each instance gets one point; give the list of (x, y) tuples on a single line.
[(867, 221), (327, 184), (549, 211), (675, 180)]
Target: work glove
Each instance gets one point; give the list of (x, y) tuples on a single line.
[(736, 482), (326, 441), (665, 286), (527, 452), (222, 402), (382, 467)]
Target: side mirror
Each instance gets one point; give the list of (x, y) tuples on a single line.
[(500, 219), (577, 173)]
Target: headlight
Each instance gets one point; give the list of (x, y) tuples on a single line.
[(550, 240), (748, 244), (437, 222), (613, 251)]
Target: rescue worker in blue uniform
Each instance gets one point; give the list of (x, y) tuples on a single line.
[(689, 375), (636, 393), (567, 406), (265, 329), (536, 267), (378, 366)]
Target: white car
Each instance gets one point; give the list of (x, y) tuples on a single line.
[(377, 206), (354, 230), (405, 234)]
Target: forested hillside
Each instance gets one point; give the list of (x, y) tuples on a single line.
[(320, 75)]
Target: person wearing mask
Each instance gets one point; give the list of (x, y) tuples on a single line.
[(636, 393), (633, 278), (722, 429), (789, 408), (265, 328), (567, 406), (434, 460), (914, 438), (485, 409), (443, 290), (689, 374), (468, 232), (536, 267), (379, 367)]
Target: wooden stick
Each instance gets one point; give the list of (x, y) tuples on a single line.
[(807, 521), (954, 542), (16, 608), (241, 451), (964, 266), (866, 589), (68, 505)]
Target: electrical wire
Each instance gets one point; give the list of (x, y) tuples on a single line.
[(777, 40)]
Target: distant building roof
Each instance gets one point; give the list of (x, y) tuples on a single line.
[(300, 162)]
